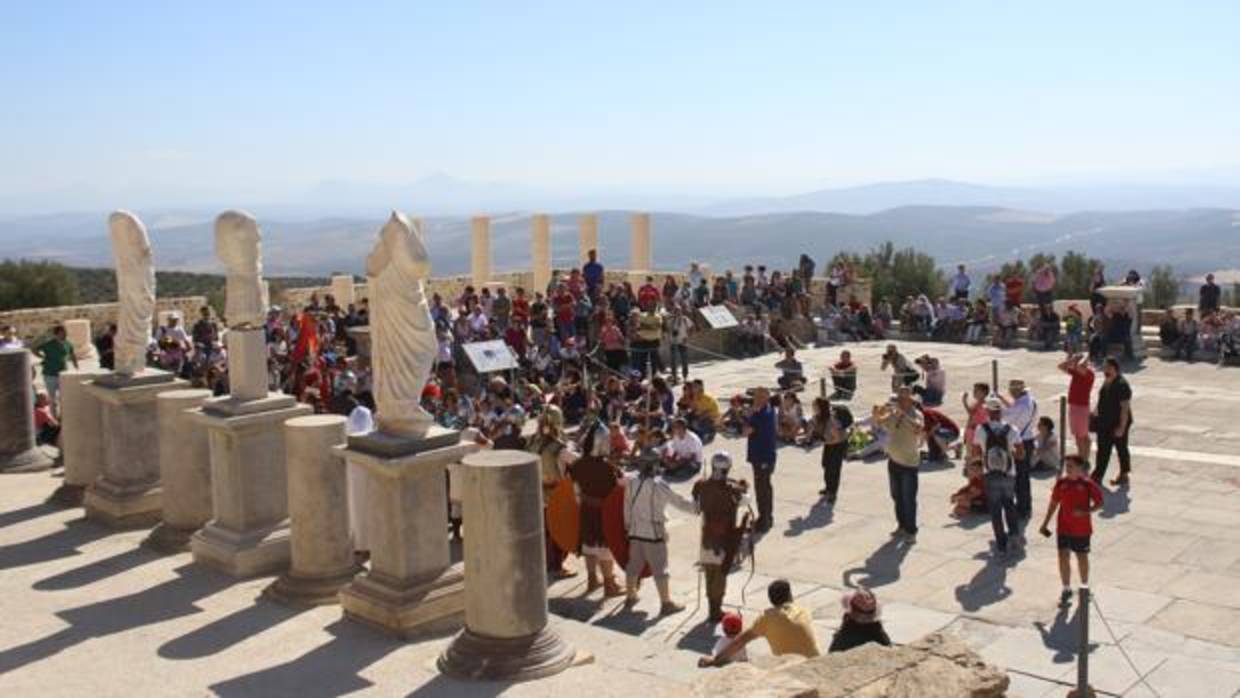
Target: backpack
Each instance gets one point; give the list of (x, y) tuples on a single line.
[(998, 456)]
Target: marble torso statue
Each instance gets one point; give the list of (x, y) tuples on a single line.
[(237, 245), (135, 291), (403, 343)]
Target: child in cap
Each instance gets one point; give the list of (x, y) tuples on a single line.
[(1075, 497), (730, 627), (861, 622)]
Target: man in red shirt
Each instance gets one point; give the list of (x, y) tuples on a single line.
[(520, 307), (1075, 497), (648, 294), (1014, 289), (1079, 388)]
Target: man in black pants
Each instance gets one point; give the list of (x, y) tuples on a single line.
[(1113, 421), (833, 452), (760, 430)]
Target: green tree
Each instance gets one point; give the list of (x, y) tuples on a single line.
[(1163, 289), (28, 284), (896, 274), (1076, 273)]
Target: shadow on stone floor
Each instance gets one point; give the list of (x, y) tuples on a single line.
[(699, 639), (820, 515), (164, 601), (33, 511), (97, 570), (1063, 636), (446, 686), (220, 634), (988, 586), (53, 546), (335, 665), (881, 568), (628, 621), (578, 608), (1115, 502)]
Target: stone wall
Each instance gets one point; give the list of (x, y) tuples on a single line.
[(32, 323)]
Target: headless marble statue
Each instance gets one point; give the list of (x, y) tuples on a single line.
[(135, 291), (403, 343), (237, 245)]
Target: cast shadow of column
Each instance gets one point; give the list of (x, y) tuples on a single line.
[(331, 669), (53, 546), (164, 601), (97, 570), (34, 511), (222, 633)]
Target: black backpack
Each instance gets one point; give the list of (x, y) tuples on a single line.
[(998, 455)]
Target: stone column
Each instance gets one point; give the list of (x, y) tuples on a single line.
[(480, 250), (318, 507), (343, 290), (412, 586), (17, 449), (184, 470), (126, 494), (540, 250), (81, 435), (639, 241), (506, 635), (587, 235), (78, 333), (247, 364)]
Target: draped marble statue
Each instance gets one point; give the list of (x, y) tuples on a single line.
[(238, 246), (135, 291), (403, 343)]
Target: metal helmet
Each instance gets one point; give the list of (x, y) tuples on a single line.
[(720, 464)]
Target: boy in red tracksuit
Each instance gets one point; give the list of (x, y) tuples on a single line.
[(1075, 497)]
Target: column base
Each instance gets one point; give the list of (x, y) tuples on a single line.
[(301, 592), (408, 609), (168, 539), (242, 555), (30, 461), (68, 495), (123, 508), (482, 658)]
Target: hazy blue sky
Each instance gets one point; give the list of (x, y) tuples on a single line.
[(268, 97)]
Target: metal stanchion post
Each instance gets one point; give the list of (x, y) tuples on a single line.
[(1082, 658), (822, 387), (1063, 430), (994, 376)]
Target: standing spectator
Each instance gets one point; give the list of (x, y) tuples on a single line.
[(8, 338), (1079, 388), (805, 267), (501, 309), (1208, 296), (1001, 450), (1021, 411), (834, 448), (1014, 289), (995, 294), (904, 427), (761, 434), (592, 272), (1074, 497), (56, 353), (941, 433), (678, 334), (205, 332), (1044, 285), (960, 284), (646, 341), (1114, 422)]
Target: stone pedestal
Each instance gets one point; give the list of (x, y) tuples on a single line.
[(639, 243), (1128, 297), (17, 449), (480, 250), (412, 588), (81, 435), (248, 531), (506, 635), (247, 365), (540, 249), (318, 507), (343, 290), (587, 236), (184, 470), (77, 331), (127, 494)]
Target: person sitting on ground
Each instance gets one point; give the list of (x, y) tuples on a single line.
[(902, 371), (791, 417), (47, 427), (1169, 329), (844, 377), (979, 319), (683, 451), (734, 418), (1045, 446), (792, 375), (970, 499), (703, 412), (932, 392), (1186, 345), (817, 427), (729, 629), (788, 629), (861, 624)]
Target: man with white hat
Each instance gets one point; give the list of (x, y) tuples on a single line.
[(1001, 451), (1021, 411), (718, 498)]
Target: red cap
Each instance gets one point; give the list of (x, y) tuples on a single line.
[(732, 623)]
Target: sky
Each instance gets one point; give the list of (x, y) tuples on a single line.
[(266, 99)]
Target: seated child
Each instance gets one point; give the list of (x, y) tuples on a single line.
[(734, 418), (731, 628), (970, 499), (1045, 446)]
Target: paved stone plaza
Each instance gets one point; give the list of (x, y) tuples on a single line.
[(87, 611)]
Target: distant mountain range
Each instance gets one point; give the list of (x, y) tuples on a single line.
[(1193, 240)]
